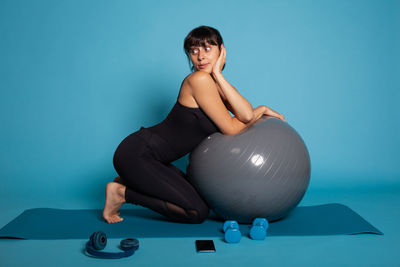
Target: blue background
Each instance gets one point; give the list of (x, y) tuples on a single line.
[(76, 77), (79, 76)]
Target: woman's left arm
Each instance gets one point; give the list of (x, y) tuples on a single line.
[(240, 106), (237, 103)]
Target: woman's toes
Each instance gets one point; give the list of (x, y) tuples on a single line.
[(115, 219)]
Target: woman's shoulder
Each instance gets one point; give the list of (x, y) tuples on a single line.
[(198, 77), (194, 81)]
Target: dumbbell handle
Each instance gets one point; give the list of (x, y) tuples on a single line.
[(230, 224), (260, 222)]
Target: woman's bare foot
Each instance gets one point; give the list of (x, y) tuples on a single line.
[(114, 199)]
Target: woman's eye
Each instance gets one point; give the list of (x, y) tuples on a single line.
[(208, 48), (194, 51)]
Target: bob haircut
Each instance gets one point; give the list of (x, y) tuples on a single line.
[(199, 37)]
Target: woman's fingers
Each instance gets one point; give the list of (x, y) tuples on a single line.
[(275, 114), (224, 53), (217, 68), (221, 58), (281, 118)]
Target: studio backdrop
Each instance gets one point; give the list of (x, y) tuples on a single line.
[(76, 77)]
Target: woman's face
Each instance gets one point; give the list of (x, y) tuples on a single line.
[(204, 58)]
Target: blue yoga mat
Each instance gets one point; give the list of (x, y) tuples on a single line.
[(45, 223)]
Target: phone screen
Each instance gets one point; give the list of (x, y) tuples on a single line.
[(205, 246)]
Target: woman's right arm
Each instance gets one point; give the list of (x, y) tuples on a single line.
[(206, 94), (257, 113)]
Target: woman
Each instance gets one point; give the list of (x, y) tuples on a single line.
[(143, 159)]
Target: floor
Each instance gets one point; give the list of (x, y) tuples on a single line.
[(378, 205)]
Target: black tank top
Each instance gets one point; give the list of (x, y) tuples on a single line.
[(184, 128)]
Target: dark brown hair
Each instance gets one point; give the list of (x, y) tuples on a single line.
[(199, 37)]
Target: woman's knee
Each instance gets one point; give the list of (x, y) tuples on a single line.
[(199, 215)]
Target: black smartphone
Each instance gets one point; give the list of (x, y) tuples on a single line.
[(205, 246)]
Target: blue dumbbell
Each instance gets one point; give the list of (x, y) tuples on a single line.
[(232, 233), (259, 229)]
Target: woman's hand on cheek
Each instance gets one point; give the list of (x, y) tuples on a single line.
[(219, 64)]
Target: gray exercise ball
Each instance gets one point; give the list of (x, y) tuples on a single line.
[(263, 171)]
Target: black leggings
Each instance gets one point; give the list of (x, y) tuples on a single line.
[(153, 182)]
